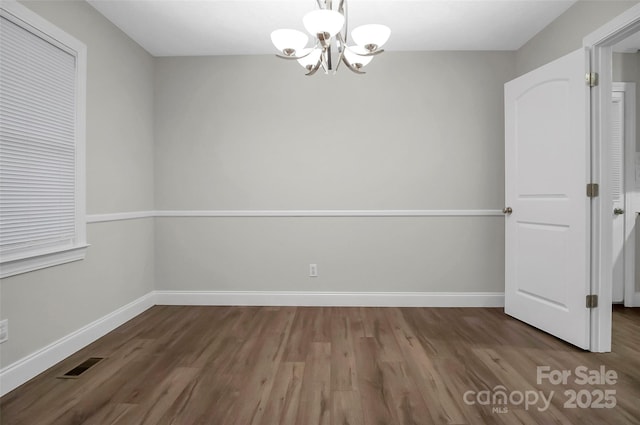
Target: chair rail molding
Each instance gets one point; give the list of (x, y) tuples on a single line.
[(132, 215)]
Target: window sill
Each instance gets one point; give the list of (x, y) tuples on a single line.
[(41, 261)]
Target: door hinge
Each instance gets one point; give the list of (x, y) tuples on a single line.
[(592, 79), (593, 190), (592, 301)]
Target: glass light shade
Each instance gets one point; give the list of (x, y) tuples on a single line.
[(320, 21), (371, 34), (352, 56), (311, 59), (289, 39)]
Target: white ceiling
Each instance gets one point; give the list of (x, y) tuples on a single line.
[(228, 27)]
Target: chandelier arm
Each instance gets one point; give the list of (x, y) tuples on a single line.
[(375, 52), (341, 48), (315, 68), (351, 67), (323, 60), (293, 57), (340, 58), (298, 57), (344, 10), (289, 57)]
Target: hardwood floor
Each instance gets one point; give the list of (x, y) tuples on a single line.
[(333, 366)]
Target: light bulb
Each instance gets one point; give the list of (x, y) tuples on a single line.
[(289, 41), (321, 21), (311, 59), (353, 56), (371, 36)]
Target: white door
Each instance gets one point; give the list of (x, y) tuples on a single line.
[(547, 155), (617, 194)]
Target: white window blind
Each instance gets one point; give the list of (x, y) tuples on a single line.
[(40, 191), (617, 146)]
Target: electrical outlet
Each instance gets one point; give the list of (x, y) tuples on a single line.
[(313, 270), (4, 330)]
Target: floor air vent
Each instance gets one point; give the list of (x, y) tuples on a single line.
[(81, 368)]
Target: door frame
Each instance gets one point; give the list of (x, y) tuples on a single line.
[(629, 147), (600, 44)]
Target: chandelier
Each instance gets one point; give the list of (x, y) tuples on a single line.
[(328, 27)]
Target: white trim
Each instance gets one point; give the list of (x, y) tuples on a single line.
[(101, 218), (629, 146), (615, 30), (30, 366), (42, 261), (133, 215), (329, 213), (599, 43), (332, 299)]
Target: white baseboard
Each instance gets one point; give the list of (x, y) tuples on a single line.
[(633, 301), (30, 366), (330, 299)]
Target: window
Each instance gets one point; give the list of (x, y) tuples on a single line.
[(42, 119)]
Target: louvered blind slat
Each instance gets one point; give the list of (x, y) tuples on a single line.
[(37, 141), (617, 145)]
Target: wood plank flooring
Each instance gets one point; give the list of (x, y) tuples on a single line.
[(333, 366)]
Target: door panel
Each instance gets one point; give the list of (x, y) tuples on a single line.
[(543, 244), (547, 158)]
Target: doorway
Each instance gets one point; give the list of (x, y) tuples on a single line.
[(558, 237), (623, 179), (601, 43)]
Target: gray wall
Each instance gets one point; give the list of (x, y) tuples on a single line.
[(419, 131), (374, 254), (46, 305), (565, 34)]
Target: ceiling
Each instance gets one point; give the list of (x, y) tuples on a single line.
[(243, 27)]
